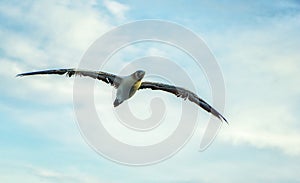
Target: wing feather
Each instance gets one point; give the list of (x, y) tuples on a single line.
[(183, 93), (103, 76)]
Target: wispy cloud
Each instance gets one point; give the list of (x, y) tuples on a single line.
[(116, 8), (263, 89), (259, 56)]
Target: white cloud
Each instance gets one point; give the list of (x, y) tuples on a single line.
[(264, 126), (45, 174), (262, 91), (61, 34), (260, 70), (116, 8)]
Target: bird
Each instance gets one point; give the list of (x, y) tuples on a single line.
[(128, 85)]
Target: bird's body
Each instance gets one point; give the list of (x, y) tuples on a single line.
[(128, 85)]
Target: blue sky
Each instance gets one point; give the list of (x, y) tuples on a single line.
[(256, 44)]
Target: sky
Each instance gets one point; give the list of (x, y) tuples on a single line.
[(256, 44)]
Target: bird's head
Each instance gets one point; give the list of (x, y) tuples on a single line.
[(139, 74)]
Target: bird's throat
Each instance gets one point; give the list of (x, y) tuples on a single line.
[(137, 85)]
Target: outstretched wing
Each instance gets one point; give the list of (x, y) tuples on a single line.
[(103, 76), (183, 93)]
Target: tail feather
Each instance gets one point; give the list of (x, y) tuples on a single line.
[(117, 102)]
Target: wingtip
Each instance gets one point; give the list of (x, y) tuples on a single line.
[(218, 115), (223, 119), (117, 103), (22, 74)]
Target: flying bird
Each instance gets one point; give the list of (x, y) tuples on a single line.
[(127, 86)]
